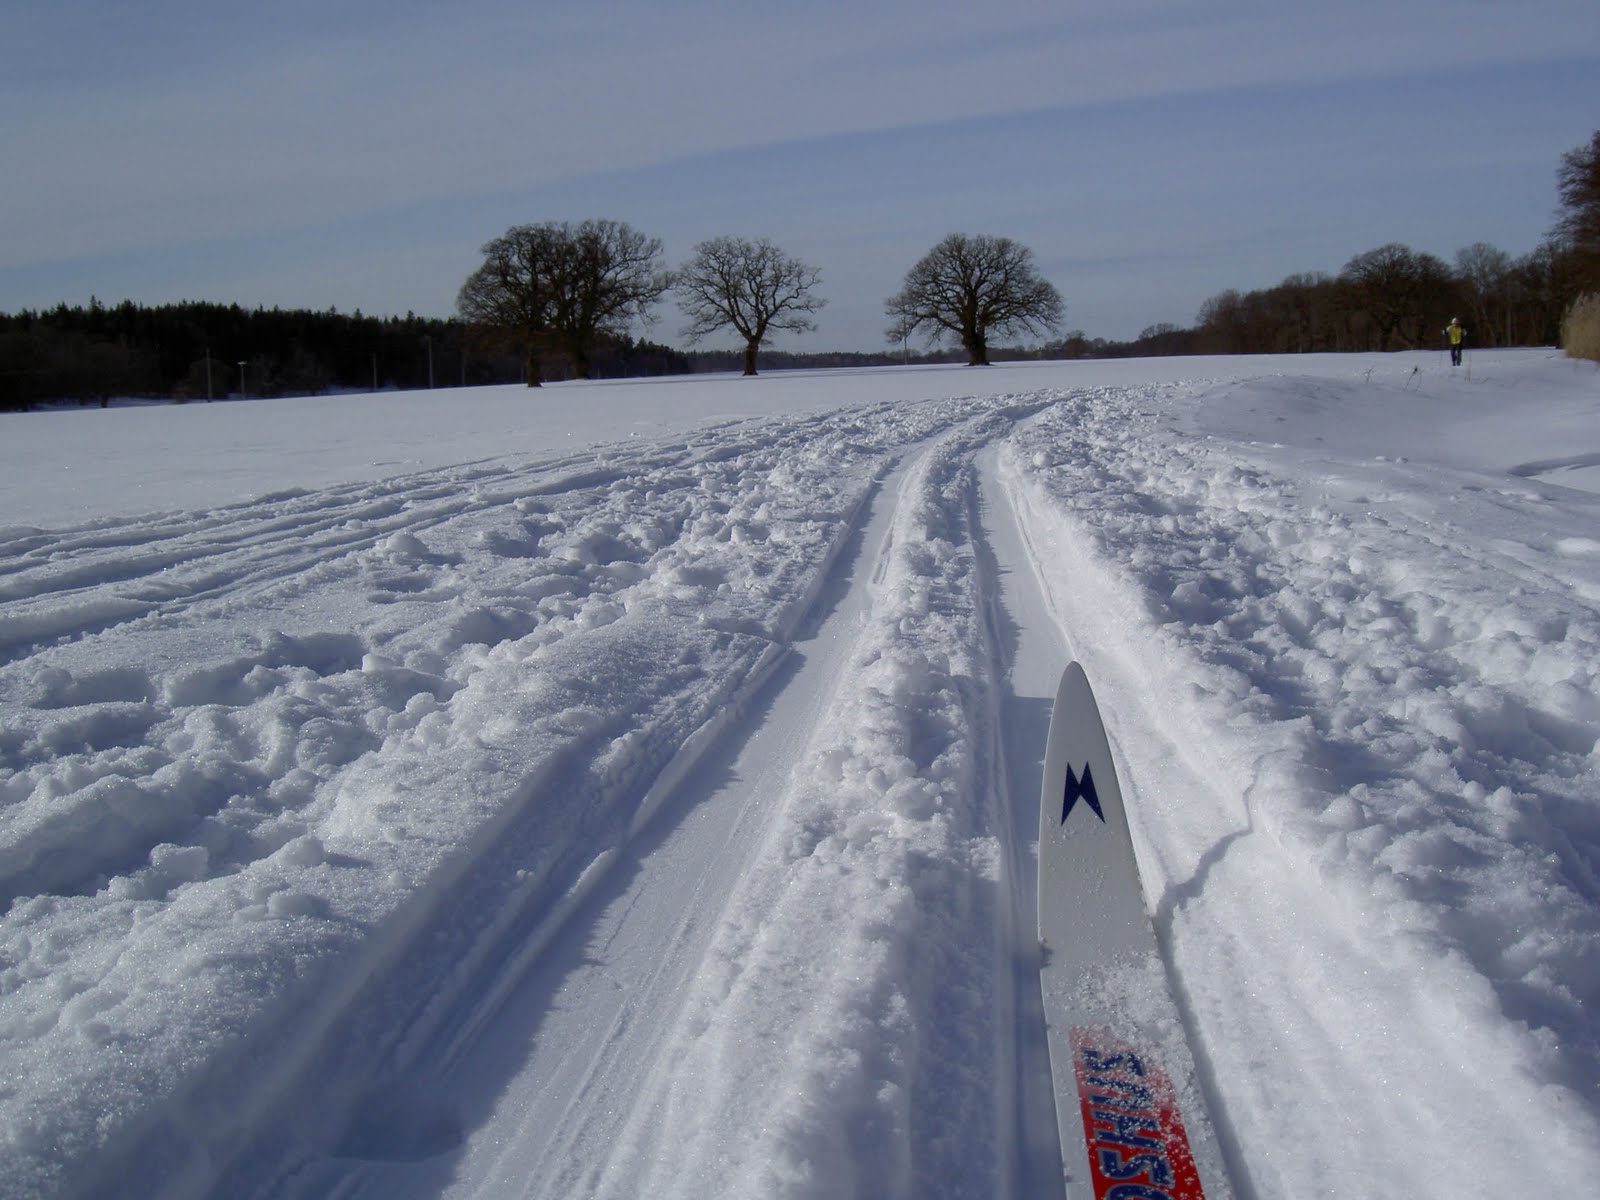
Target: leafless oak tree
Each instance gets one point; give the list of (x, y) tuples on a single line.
[(1405, 294), (975, 288), (1579, 227), (564, 284), (753, 288)]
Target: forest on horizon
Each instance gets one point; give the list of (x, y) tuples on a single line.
[(1388, 298)]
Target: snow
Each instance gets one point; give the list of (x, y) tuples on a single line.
[(628, 788)]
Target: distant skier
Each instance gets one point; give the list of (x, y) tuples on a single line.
[(1456, 334)]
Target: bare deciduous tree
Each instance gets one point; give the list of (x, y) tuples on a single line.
[(564, 284), (975, 288), (753, 288), (1578, 182), (1482, 272), (1404, 293), (510, 293)]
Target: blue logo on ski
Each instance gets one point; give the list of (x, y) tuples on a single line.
[(1084, 789)]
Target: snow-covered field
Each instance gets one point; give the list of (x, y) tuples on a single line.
[(629, 789)]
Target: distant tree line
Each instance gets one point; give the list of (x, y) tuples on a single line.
[(566, 284), (727, 361), (559, 299), (200, 351), (1395, 298)]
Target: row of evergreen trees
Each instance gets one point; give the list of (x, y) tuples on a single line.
[(198, 351)]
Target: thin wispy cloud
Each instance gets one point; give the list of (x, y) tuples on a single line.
[(357, 153)]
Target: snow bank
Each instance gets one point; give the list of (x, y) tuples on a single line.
[(1390, 671)]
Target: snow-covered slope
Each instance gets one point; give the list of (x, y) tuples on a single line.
[(525, 811)]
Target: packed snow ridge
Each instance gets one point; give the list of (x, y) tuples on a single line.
[(651, 816)]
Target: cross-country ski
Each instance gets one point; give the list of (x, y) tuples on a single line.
[(1128, 1105)]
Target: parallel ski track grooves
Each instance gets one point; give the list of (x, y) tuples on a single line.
[(253, 560), (384, 1043), (1034, 1161), (1162, 919), (274, 548), (566, 1176), (408, 1047), (261, 547)]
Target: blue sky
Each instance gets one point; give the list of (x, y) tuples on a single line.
[(357, 154)]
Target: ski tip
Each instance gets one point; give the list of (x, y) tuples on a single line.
[(1073, 676)]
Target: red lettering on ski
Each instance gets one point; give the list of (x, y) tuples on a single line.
[(1138, 1149)]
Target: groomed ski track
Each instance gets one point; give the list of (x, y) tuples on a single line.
[(741, 737), (550, 1074)]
